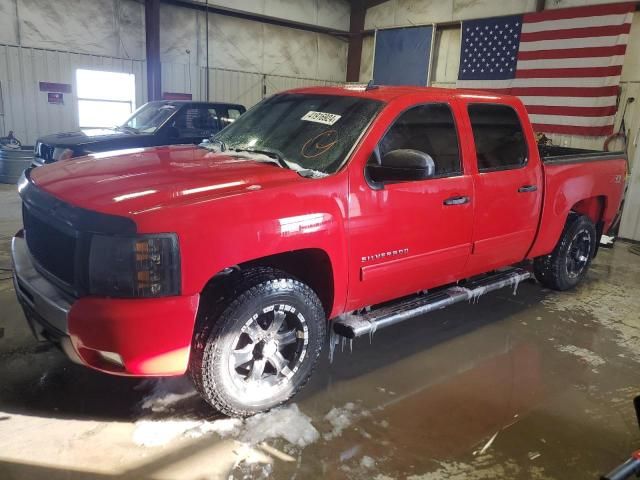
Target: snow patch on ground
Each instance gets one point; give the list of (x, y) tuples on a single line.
[(585, 355), (367, 462), (287, 423), (340, 419), (155, 433), (165, 392), (161, 404)]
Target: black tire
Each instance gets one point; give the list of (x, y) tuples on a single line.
[(230, 331), (569, 262)]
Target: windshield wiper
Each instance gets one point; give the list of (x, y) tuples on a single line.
[(210, 143), (269, 153), (279, 159), (310, 173)]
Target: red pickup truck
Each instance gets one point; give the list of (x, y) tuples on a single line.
[(361, 206)]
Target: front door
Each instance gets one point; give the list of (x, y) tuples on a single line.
[(410, 236), (508, 187)]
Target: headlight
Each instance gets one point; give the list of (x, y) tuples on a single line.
[(62, 154), (140, 266)]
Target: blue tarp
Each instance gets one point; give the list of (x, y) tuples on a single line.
[(402, 56)]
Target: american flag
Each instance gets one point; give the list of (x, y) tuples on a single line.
[(564, 64)]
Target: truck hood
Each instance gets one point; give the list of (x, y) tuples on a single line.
[(83, 137), (130, 182)]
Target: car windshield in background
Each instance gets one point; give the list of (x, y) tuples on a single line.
[(150, 117), (314, 132)]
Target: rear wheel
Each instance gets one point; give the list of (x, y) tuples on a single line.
[(569, 262), (258, 348)]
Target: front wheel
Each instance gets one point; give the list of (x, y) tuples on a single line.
[(569, 262), (262, 347)]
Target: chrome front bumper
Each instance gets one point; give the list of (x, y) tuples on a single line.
[(45, 307)]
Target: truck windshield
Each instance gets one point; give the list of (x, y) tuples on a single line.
[(305, 131), (149, 117)]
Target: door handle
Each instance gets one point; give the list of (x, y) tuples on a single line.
[(458, 200), (527, 188)]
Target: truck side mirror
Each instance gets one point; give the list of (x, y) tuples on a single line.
[(402, 165)]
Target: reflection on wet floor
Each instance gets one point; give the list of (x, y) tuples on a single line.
[(533, 386)]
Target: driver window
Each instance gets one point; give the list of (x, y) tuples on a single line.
[(430, 129)]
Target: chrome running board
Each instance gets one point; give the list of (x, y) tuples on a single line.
[(355, 325)]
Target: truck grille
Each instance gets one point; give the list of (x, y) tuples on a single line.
[(53, 248), (58, 236)]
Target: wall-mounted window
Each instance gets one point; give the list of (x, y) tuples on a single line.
[(105, 99), (446, 57)]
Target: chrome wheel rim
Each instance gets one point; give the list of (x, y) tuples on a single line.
[(269, 350), (578, 253)]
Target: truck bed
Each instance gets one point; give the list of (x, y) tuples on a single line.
[(594, 190), (553, 154)]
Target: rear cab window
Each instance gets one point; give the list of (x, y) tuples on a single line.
[(498, 137)]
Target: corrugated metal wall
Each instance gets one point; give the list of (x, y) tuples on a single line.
[(224, 85), (630, 227), (25, 108), (276, 83), (233, 86)]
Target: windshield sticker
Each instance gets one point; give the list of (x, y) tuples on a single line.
[(322, 143), (321, 117)]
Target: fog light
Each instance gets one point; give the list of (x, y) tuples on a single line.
[(111, 357)]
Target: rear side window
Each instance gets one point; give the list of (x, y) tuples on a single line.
[(498, 137), (197, 122), (430, 129), (232, 115)]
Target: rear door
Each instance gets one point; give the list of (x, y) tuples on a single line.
[(508, 185), (413, 235)]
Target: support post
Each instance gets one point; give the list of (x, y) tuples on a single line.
[(152, 32), (206, 52), (356, 28)]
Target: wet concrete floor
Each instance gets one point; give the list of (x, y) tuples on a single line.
[(533, 386)]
